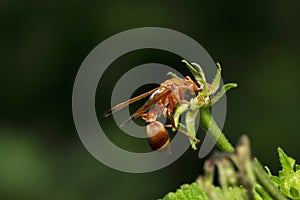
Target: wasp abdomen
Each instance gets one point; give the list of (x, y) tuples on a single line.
[(158, 137)]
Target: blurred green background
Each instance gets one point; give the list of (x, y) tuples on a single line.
[(43, 43)]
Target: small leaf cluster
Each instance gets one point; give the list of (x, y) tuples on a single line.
[(247, 180), (207, 96), (187, 191), (239, 175), (194, 192), (288, 179)]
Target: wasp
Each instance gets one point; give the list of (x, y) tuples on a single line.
[(162, 102)]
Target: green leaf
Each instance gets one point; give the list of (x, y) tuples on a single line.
[(268, 171), (190, 121), (195, 73), (297, 167), (294, 193), (200, 70), (195, 192), (288, 180), (231, 193), (199, 75), (217, 79), (286, 162), (224, 89), (173, 75), (178, 112), (236, 193), (187, 192), (275, 179)]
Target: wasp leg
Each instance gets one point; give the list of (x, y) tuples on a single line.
[(172, 98), (183, 132), (195, 86)]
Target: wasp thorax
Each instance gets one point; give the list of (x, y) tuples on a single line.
[(158, 136)]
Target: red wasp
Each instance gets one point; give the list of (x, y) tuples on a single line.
[(162, 101)]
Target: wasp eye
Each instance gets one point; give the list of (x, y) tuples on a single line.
[(158, 136)]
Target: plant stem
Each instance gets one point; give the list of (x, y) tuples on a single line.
[(265, 181), (208, 123)]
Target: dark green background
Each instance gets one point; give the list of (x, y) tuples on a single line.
[(43, 43)]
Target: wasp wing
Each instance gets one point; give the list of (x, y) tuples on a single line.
[(164, 92), (130, 101)]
